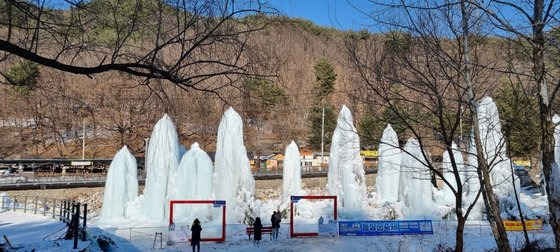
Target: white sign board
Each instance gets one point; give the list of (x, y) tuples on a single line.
[(178, 236), (81, 163), (328, 229)]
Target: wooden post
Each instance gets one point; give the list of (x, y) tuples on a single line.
[(76, 224), (84, 223), (45, 206), (35, 207), (25, 204), (54, 209), (63, 211), (61, 206)]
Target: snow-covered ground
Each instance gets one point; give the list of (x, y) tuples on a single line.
[(41, 233), (34, 232), (478, 237)]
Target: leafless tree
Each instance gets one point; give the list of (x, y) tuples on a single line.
[(197, 45), (532, 28), (429, 70)]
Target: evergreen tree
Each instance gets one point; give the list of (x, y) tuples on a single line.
[(325, 77), (519, 118), (22, 77), (371, 126), (325, 80)]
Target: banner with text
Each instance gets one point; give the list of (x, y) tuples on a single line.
[(518, 225), (394, 227)]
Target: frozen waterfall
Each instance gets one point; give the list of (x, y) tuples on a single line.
[(346, 177), (291, 177), (415, 186), (161, 163), (449, 175), (233, 180), (193, 181), (387, 181), (495, 148), (121, 186)]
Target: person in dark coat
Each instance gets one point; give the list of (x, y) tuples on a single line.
[(273, 221), (195, 237), (276, 224), (258, 230)]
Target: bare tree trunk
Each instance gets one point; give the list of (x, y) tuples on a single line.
[(459, 240), (550, 170), (498, 229)]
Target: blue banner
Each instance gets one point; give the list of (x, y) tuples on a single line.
[(295, 199), (375, 228), (219, 203)]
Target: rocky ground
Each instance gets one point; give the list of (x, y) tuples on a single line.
[(265, 189)]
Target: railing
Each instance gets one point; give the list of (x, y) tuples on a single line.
[(306, 170), (51, 179), (58, 209), (43, 181)]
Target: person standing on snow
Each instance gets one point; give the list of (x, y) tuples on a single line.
[(273, 222), (195, 236), (276, 224), (257, 226)]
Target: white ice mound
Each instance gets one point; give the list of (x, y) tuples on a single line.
[(449, 174), (121, 186), (415, 182), (291, 177), (193, 181), (495, 149), (472, 185), (346, 177), (387, 181), (233, 180), (161, 162)]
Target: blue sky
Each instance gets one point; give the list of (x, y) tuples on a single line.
[(340, 14)]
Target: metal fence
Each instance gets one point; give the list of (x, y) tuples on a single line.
[(49, 179), (58, 209)]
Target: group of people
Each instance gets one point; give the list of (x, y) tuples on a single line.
[(275, 220)]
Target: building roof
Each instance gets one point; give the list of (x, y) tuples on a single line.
[(305, 153)]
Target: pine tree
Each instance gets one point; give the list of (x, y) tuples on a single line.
[(325, 77)]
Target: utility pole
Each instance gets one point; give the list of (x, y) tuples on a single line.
[(322, 137), (84, 138)]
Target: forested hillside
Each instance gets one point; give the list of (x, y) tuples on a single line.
[(300, 68)]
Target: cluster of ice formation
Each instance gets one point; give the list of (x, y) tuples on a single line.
[(194, 182), (389, 166), (232, 178), (415, 186), (346, 177), (402, 175), (161, 163), (449, 174), (291, 177), (121, 185), (495, 149)]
